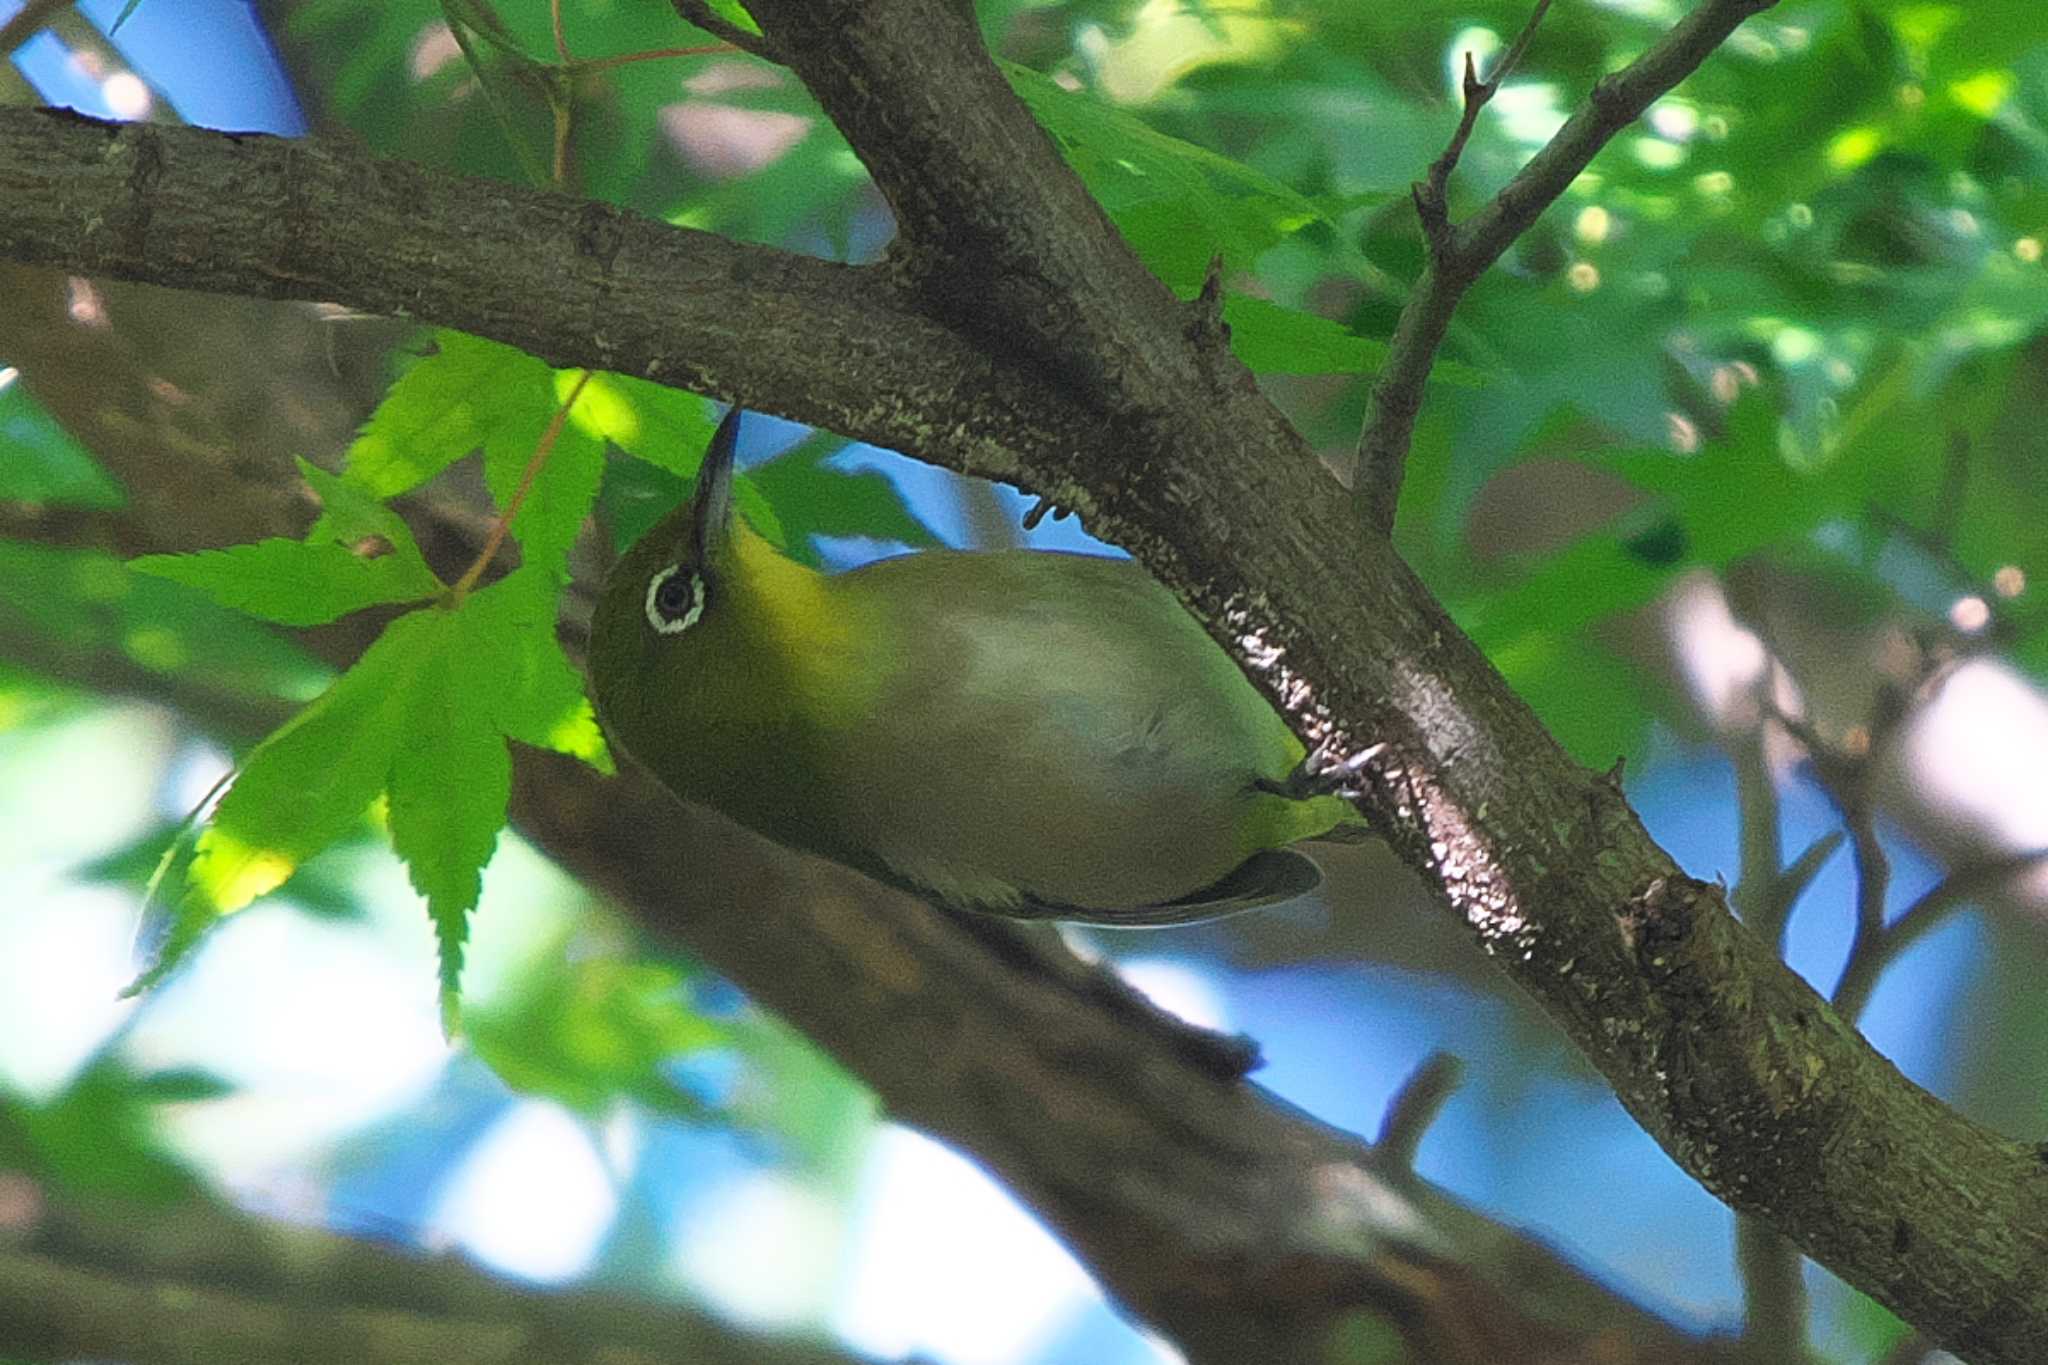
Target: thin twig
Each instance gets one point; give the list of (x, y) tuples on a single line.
[(1772, 1270), (488, 86), (1415, 1107), (1762, 845), (1845, 777), (32, 19), (1773, 1294), (1767, 889), (1466, 250), (1773, 1274), (1966, 886), (1873, 881), (700, 13), (560, 103), (561, 90), (1431, 194), (1793, 882), (1773, 1279), (1876, 943), (561, 38), (561, 100)]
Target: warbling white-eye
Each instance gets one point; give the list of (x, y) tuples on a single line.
[(1021, 732)]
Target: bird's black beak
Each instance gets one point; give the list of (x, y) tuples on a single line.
[(711, 504)]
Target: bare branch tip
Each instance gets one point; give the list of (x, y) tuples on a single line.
[(1206, 326)]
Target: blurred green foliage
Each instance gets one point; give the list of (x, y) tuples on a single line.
[(588, 1030), (98, 1134), (44, 465)]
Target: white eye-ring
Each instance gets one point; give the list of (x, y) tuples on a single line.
[(674, 603)]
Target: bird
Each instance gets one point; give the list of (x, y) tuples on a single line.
[(1015, 732)]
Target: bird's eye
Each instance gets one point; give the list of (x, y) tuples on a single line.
[(674, 600)]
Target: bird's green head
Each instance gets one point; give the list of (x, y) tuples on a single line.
[(669, 584), (704, 626)]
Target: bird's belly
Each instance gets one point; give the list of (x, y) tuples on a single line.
[(1070, 835)]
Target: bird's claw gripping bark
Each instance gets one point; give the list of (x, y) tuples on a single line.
[(1322, 773)]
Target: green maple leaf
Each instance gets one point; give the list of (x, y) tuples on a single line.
[(421, 718), (358, 554)]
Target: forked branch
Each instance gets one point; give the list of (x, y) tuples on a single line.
[(1459, 253)]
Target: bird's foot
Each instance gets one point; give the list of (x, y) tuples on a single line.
[(1322, 772), (1039, 510)]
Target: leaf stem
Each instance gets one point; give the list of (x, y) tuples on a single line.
[(541, 450), (487, 83), (561, 98), (559, 169), (589, 65)]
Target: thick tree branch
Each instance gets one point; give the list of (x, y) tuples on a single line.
[(1235, 1224), (1728, 1059), (1459, 254), (1027, 258), (269, 218), (1733, 1063), (193, 1284)]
